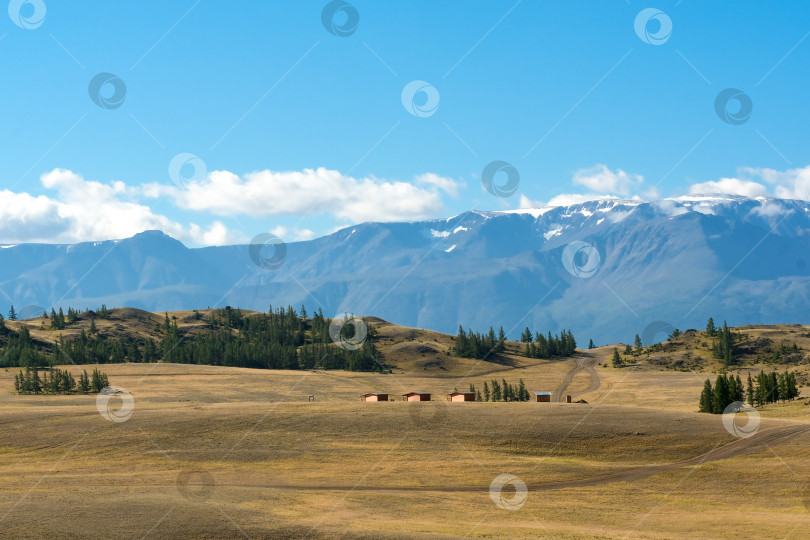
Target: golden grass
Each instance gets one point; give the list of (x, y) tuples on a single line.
[(261, 460)]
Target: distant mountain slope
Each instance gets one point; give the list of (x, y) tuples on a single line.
[(677, 261)]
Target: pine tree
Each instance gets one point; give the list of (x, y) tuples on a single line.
[(710, 328), (706, 397), (523, 394), (84, 383), (731, 389), (750, 392), (617, 360), (501, 340), (496, 391), (486, 391), (720, 396), (12, 315), (638, 344), (793, 390), (590, 344)]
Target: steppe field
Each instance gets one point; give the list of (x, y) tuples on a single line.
[(218, 452)]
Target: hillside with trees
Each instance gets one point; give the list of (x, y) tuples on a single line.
[(280, 339)]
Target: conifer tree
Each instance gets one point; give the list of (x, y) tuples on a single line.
[(706, 398), (750, 392), (720, 396), (638, 344), (496, 391), (523, 394), (617, 360)]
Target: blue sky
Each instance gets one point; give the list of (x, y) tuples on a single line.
[(301, 131)]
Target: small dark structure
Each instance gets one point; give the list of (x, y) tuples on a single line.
[(416, 396), (374, 396), (568, 398), (542, 397), (461, 396), (311, 398)]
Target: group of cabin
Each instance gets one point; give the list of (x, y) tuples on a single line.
[(539, 397)]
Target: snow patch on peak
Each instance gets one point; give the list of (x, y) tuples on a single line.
[(439, 234), (451, 248), (552, 233), (534, 212), (460, 228)]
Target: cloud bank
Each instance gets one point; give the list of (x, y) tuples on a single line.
[(80, 210), (76, 209)]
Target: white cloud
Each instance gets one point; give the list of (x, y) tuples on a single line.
[(271, 193), (729, 186), (80, 210), (770, 210), (85, 210), (790, 184), (295, 235), (602, 180), (565, 199), (448, 185), (604, 185)]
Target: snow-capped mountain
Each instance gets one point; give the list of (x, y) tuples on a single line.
[(605, 269)]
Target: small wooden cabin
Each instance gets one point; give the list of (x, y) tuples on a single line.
[(461, 396), (542, 397), (416, 396), (568, 398), (374, 396)]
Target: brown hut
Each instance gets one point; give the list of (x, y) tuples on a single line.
[(374, 396), (416, 396), (568, 398), (542, 397), (461, 396)]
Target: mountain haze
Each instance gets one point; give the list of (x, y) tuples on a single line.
[(652, 265)]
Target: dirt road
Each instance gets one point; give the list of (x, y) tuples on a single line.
[(761, 441), (582, 362)]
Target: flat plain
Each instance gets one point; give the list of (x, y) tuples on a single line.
[(219, 452)]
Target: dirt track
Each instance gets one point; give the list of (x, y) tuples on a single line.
[(583, 362), (763, 439)]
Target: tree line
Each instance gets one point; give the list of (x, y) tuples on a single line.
[(470, 344), (58, 381), (563, 345), (280, 339), (503, 391), (766, 388)]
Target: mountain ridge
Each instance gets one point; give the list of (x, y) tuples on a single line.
[(606, 269)]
